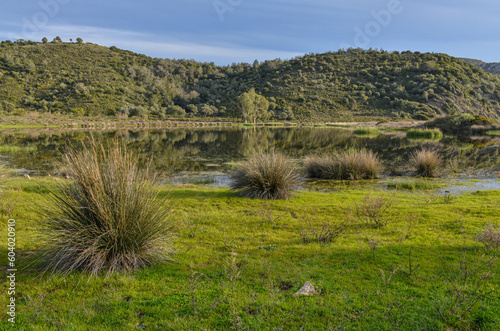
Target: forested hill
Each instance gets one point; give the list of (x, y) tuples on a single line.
[(87, 79), (492, 67)]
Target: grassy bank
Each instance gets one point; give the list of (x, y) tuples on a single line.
[(241, 260)]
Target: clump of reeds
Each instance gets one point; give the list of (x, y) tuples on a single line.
[(266, 176), (347, 165), (108, 217), (426, 162)]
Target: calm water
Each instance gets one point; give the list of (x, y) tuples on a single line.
[(205, 154)]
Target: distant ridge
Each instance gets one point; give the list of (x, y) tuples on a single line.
[(492, 67), (88, 79)]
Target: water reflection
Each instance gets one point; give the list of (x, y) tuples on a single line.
[(214, 149)]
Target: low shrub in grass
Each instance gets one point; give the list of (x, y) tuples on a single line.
[(108, 217), (266, 176), (490, 236), (426, 162), (346, 165)]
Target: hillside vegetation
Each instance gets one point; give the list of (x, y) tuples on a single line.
[(87, 79)]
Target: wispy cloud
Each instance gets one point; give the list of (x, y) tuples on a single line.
[(157, 46)]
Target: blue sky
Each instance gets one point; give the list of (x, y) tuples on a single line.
[(227, 31)]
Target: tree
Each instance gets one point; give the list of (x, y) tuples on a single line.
[(208, 110), (254, 107), (192, 109), (79, 40), (44, 40), (57, 40)]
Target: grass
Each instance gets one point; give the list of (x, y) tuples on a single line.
[(12, 148), (426, 162), (346, 165), (493, 133), (413, 184), (107, 218), (271, 262), (265, 176), (368, 131), (431, 134)]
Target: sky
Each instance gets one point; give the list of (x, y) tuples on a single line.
[(232, 31)]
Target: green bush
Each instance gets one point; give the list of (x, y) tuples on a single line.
[(108, 217), (266, 176)]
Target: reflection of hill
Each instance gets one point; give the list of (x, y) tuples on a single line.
[(200, 149)]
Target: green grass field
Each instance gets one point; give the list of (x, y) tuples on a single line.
[(239, 261)]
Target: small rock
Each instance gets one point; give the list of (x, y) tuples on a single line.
[(307, 289)]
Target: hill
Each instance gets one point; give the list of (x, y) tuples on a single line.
[(87, 79), (492, 67)]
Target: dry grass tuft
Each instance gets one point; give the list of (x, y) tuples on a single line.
[(347, 165), (266, 176), (426, 162)]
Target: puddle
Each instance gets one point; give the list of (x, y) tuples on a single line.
[(460, 186), (452, 186)]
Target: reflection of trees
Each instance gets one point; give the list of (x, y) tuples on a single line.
[(192, 149)]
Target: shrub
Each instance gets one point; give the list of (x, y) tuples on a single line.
[(323, 232), (108, 217), (373, 210), (347, 165), (490, 236), (426, 162), (266, 176)]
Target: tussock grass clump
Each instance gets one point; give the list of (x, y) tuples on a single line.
[(347, 165), (266, 176), (108, 217), (426, 162)]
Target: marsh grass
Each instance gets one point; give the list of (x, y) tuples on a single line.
[(412, 185), (267, 176), (432, 134), (367, 131), (108, 217), (347, 165), (426, 162)]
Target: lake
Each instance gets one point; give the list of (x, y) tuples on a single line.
[(204, 155)]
